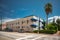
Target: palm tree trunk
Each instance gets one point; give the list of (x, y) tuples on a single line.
[(47, 19)]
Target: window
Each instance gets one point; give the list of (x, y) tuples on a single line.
[(18, 26), (18, 22), (22, 26), (7, 24), (27, 27), (12, 24), (27, 21), (23, 22)]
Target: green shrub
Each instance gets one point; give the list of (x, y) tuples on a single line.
[(35, 31), (45, 31), (51, 26)]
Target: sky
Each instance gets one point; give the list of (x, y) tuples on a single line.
[(21, 8)]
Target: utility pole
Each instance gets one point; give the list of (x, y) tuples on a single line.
[(1, 23), (39, 25), (53, 20)]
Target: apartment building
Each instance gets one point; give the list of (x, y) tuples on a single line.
[(26, 24)]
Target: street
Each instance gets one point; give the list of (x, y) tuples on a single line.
[(26, 36)]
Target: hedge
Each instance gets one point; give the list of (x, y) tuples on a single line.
[(45, 31)]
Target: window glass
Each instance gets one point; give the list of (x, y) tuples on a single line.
[(27, 21)]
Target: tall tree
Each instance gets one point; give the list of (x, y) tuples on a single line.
[(48, 9), (58, 23)]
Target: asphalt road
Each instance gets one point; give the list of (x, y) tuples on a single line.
[(5, 38), (26, 36)]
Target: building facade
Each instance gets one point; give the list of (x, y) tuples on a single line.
[(3, 26), (26, 24)]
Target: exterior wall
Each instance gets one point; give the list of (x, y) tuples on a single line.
[(22, 24), (3, 26), (17, 25)]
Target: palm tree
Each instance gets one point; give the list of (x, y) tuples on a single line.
[(48, 9)]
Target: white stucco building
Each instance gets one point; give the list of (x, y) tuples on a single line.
[(26, 24)]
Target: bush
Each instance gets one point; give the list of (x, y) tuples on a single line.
[(45, 31), (35, 31), (51, 26), (7, 29)]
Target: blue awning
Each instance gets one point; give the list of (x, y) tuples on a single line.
[(34, 25), (40, 21), (33, 19)]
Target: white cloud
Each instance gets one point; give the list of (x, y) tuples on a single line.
[(12, 10), (23, 9), (8, 20)]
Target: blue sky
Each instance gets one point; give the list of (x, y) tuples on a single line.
[(22, 8)]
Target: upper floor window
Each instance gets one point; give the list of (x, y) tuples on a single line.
[(27, 21), (23, 22), (18, 22)]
